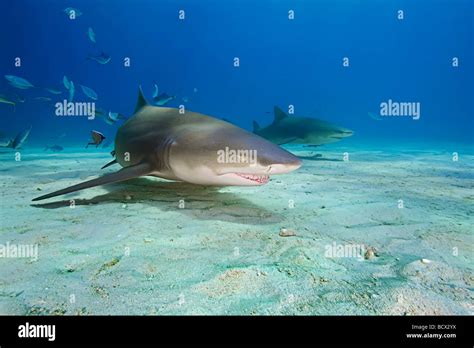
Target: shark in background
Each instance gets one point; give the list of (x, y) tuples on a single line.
[(287, 129)]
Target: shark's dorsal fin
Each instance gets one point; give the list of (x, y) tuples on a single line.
[(256, 126), (279, 114), (141, 101)]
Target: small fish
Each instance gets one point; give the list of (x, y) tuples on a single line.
[(101, 58), (163, 99), (185, 99), (5, 100), (195, 90), (72, 12), (109, 121), (155, 92), (374, 116), (91, 34), (5, 142), (97, 138), (46, 99), (71, 91), (99, 111), (18, 82), (54, 148), (115, 116), (54, 91), (66, 82), (89, 92)]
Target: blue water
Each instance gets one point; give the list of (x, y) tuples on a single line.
[(282, 62)]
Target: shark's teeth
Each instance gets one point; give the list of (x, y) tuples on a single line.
[(261, 179)]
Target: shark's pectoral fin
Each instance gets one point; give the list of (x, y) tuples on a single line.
[(122, 175)]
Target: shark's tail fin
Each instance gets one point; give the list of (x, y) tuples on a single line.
[(256, 126)]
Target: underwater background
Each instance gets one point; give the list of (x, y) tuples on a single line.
[(282, 62), (399, 191)]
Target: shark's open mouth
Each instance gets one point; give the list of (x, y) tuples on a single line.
[(261, 179)]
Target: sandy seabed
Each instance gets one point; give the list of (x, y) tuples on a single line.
[(133, 248)]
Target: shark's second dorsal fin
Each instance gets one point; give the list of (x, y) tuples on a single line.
[(256, 126), (141, 101), (279, 114)]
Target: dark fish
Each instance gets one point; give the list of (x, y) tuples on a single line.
[(97, 138)]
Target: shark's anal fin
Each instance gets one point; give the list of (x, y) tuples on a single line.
[(109, 164), (122, 175)]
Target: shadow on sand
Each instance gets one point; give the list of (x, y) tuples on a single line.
[(319, 157), (203, 203)]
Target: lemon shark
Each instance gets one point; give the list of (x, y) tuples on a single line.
[(300, 130), (190, 147)]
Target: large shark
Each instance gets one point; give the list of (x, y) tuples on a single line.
[(189, 147), (300, 130)]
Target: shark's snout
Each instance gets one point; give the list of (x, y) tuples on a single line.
[(347, 133), (342, 133), (285, 167)]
